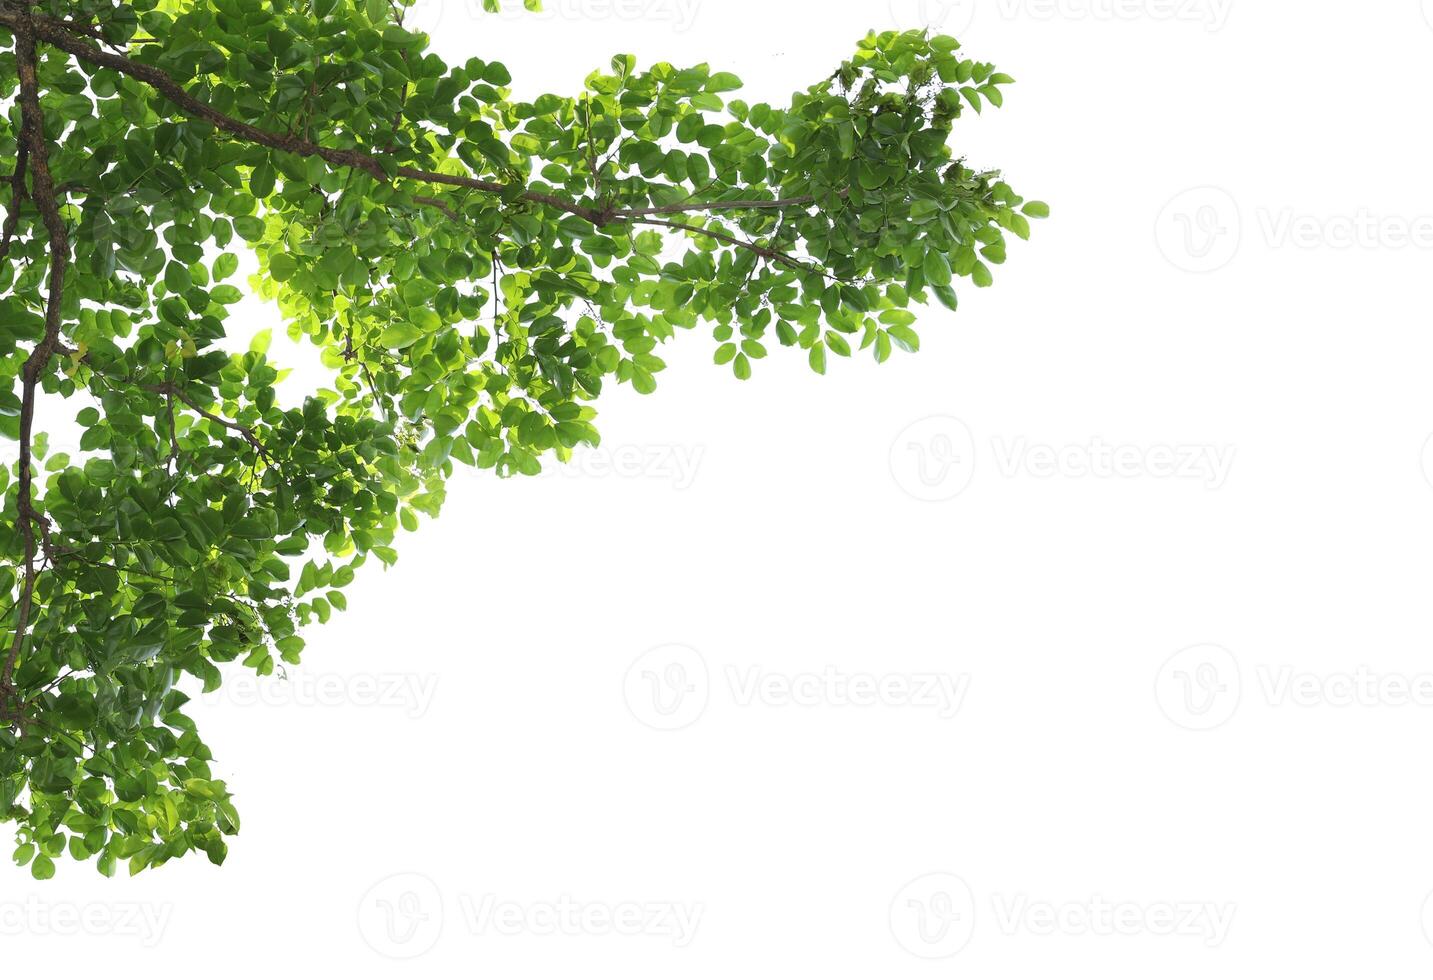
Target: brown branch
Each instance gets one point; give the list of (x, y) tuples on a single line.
[(63, 36), (247, 433), (43, 194), (721, 236), (434, 202)]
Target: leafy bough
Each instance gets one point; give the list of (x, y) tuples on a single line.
[(473, 270)]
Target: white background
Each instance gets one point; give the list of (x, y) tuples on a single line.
[(1100, 802)]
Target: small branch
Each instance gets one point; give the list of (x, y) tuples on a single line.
[(17, 184), (435, 203), (721, 236), (784, 202), (64, 37), (247, 433)]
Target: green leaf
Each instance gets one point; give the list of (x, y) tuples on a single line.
[(401, 335), (937, 269), (817, 358)]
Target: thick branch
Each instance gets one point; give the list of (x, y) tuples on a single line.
[(43, 194), (62, 36)]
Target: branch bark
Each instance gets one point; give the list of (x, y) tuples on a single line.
[(42, 192)]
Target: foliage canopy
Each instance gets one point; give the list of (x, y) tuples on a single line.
[(473, 269)]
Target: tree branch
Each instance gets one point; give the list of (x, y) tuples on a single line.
[(43, 194), (721, 236), (63, 36), (175, 391), (17, 184)]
